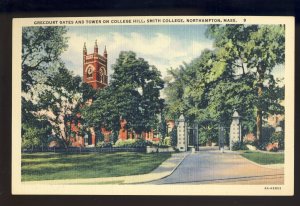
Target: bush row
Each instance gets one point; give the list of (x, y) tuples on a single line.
[(132, 143)]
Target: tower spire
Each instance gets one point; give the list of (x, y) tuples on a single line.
[(105, 52), (96, 47), (84, 49)]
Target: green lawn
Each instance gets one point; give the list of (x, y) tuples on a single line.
[(49, 166), (264, 158)]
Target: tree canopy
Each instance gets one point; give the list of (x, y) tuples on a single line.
[(133, 94), (256, 50), (50, 92), (41, 50), (235, 75)]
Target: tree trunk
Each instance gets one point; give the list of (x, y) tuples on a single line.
[(259, 125), (259, 106)]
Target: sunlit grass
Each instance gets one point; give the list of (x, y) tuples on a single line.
[(49, 166), (264, 158)]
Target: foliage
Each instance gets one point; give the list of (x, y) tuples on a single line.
[(115, 136), (163, 125), (103, 144), (87, 92), (41, 50), (208, 132), (167, 141), (270, 137), (202, 139), (133, 94), (278, 137), (239, 146), (48, 88), (133, 143), (267, 132), (253, 50), (34, 137), (99, 136), (59, 100), (173, 135), (235, 75), (209, 95)]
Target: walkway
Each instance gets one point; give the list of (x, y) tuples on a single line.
[(214, 167)]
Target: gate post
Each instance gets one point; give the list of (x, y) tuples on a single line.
[(182, 140), (235, 130)]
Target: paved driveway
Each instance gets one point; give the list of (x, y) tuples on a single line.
[(213, 167)]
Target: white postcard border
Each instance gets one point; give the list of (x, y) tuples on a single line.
[(259, 190)]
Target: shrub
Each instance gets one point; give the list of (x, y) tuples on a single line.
[(261, 145), (239, 146), (103, 144), (267, 133), (173, 135), (114, 136), (133, 143), (167, 141), (278, 137), (250, 139), (34, 137), (202, 139), (99, 136)]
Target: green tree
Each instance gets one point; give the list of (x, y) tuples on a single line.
[(254, 49), (35, 135), (174, 93), (87, 92), (133, 94), (173, 136), (187, 91), (103, 111), (163, 125), (59, 99), (41, 50)]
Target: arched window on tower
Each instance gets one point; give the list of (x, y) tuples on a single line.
[(101, 75), (89, 72)]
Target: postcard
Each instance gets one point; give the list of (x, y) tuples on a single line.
[(153, 105)]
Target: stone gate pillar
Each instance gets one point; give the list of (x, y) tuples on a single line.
[(182, 140), (235, 130)]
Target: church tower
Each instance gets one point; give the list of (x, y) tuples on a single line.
[(95, 68)]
